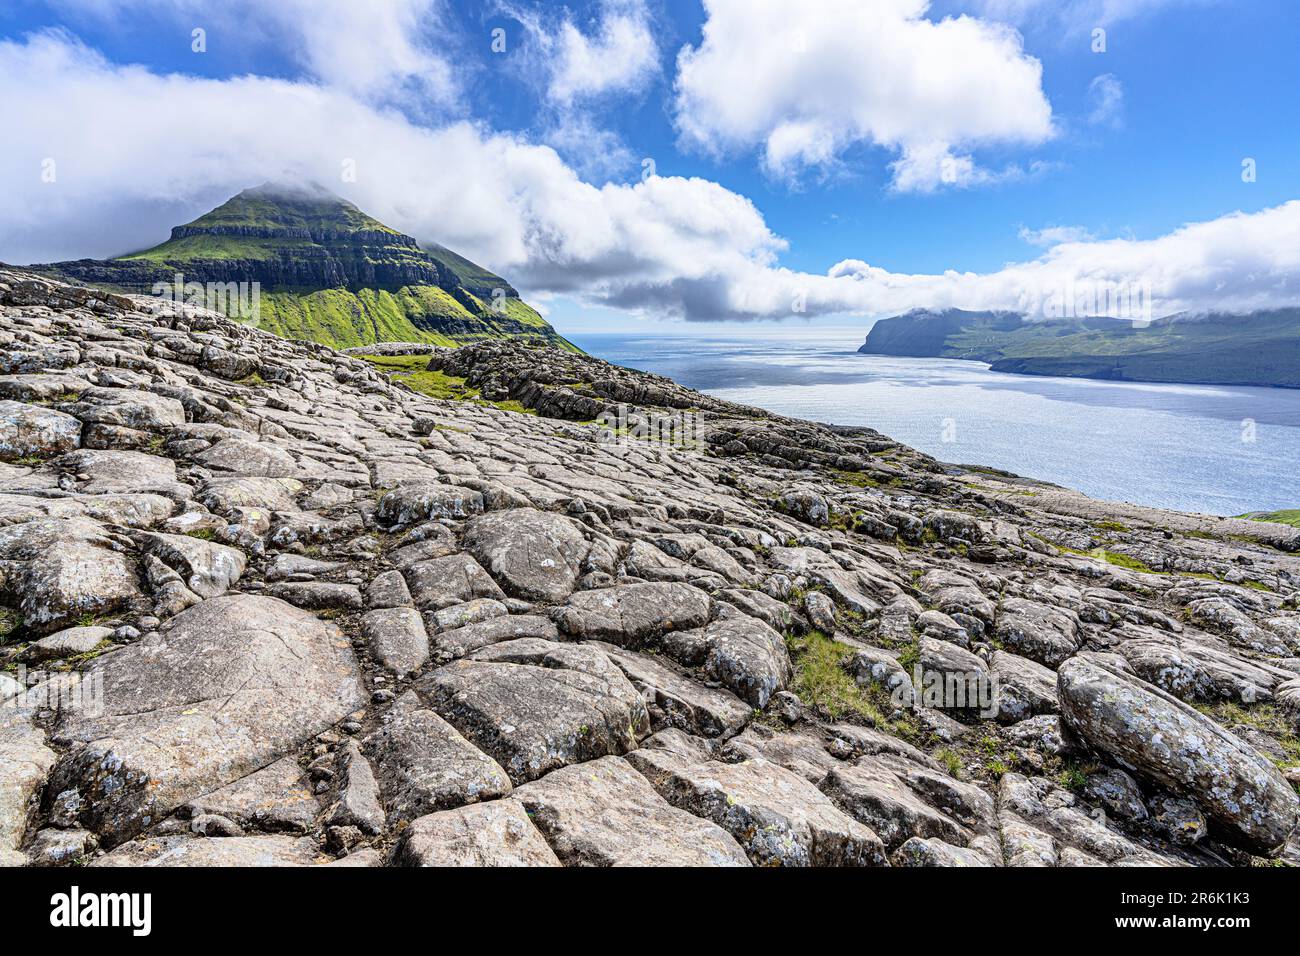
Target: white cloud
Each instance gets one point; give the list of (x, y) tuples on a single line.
[(618, 54), (1106, 96), (805, 82), (137, 152), (1074, 15), (373, 49), (1054, 235)]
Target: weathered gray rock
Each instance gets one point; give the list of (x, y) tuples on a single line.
[(414, 502), (226, 688), (318, 595), (1022, 688), (258, 851), (682, 702), (277, 798), (631, 614), (424, 765), (397, 638), (453, 579), (457, 642), (486, 834), (536, 706), (64, 569), (779, 818), (65, 643), (604, 813), (472, 612), (254, 459), (1159, 737), (1044, 634), (534, 555), (358, 803), (208, 569), (748, 657), (25, 761), (30, 431)]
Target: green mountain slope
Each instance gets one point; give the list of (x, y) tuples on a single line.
[(1260, 348), (326, 271)]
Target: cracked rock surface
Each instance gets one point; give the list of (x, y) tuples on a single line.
[(261, 605)]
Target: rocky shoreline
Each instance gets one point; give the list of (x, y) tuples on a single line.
[(261, 604)]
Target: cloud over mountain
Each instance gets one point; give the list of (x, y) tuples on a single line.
[(133, 150)]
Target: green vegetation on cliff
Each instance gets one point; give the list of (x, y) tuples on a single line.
[(327, 272), (1291, 517), (1260, 348)]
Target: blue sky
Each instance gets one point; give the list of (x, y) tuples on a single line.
[(1117, 150)]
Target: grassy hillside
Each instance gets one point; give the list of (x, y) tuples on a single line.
[(328, 272), (343, 319), (1280, 517)]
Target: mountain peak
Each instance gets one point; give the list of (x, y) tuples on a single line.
[(301, 210)]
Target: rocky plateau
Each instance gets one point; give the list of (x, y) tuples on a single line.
[(261, 604)]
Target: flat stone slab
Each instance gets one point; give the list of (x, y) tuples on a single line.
[(28, 431), (65, 643), (423, 764), (684, 703), (454, 579), (64, 569), (604, 813), (418, 501), (276, 798), (397, 638), (777, 816), (254, 459), (209, 569), (456, 643), (630, 614), (227, 687), (536, 706), (217, 851), (24, 763), (485, 834)]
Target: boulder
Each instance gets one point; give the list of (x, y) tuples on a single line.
[(534, 555), (1157, 736)]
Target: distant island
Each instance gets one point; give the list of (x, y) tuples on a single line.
[(325, 271), (1258, 348)]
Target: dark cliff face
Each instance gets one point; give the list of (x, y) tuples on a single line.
[(326, 270), (307, 270)]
